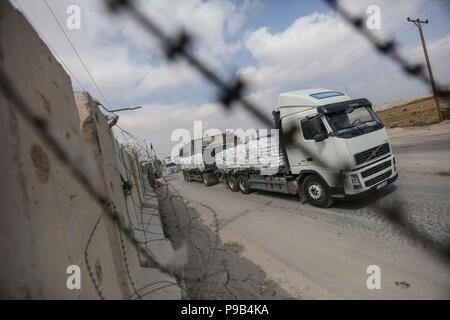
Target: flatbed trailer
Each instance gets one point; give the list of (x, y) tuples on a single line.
[(340, 149)]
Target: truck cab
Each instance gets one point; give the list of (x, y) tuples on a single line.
[(170, 167), (338, 140)]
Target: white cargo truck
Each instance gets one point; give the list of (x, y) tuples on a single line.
[(170, 166), (330, 147)]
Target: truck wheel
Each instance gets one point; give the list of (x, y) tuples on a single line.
[(220, 176), (317, 192), (232, 183), (208, 179), (244, 185)]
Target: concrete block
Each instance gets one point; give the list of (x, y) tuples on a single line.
[(47, 218)]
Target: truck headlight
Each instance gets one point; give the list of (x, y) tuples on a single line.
[(355, 181)]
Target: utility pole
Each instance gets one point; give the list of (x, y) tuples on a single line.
[(418, 24)]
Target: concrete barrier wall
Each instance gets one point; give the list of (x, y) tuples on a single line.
[(118, 165), (46, 218)]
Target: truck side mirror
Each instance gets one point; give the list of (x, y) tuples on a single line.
[(319, 137)]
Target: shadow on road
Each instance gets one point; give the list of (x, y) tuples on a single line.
[(214, 270), (365, 201), (353, 204)]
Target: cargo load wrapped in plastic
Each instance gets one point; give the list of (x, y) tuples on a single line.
[(193, 162), (256, 154)]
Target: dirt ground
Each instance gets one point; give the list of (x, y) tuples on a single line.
[(216, 269), (413, 112), (422, 149)]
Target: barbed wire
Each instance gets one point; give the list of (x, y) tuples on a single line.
[(87, 260), (363, 52), (127, 266), (179, 47), (135, 145), (229, 94), (43, 130), (388, 48), (205, 251), (204, 267)]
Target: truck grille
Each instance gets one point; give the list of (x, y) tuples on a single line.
[(380, 178), (372, 153), (375, 169)]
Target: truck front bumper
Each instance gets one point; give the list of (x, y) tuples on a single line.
[(367, 191), (367, 179)]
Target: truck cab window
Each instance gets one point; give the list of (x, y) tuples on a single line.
[(358, 121), (360, 115), (312, 127)]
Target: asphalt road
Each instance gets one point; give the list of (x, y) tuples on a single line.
[(325, 253)]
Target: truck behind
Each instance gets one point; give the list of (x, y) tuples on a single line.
[(338, 148)]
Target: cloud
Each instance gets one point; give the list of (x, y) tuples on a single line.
[(210, 22), (318, 49), (123, 59), (304, 49), (156, 122), (322, 50)]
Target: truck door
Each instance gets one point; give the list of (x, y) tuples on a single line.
[(319, 150), (307, 153)]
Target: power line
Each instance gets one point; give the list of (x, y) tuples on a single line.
[(232, 92), (388, 48), (78, 55), (365, 50), (69, 71), (49, 45)]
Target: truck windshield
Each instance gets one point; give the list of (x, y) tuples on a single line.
[(353, 122)]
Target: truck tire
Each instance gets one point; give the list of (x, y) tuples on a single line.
[(220, 176), (208, 179), (316, 192), (244, 185), (232, 183)]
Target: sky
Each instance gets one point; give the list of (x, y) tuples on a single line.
[(276, 46)]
